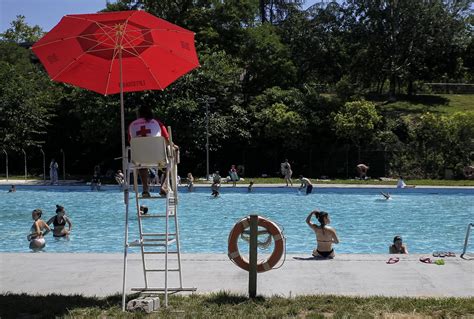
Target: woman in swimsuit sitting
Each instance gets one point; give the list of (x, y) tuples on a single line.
[(325, 235), (38, 230), (59, 221)]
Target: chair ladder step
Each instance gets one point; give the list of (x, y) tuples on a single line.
[(163, 289), (158, 234), (159, 252), (162, 270)]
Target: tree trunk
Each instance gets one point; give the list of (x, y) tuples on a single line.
[(410, 87), (393, 85), (263, 16)]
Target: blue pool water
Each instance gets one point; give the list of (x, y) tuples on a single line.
[(427, 219)]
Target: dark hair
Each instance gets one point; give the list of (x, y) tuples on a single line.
[(38, 211), (397, 238), (145, 112), (59, 208), (320, 216), (144, 209)]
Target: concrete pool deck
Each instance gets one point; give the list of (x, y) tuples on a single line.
[(347, 274)]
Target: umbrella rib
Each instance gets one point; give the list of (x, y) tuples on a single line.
[(148, 67), (72, 62), (110, 71), (167, 48)]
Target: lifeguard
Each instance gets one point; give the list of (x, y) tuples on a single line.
[(144, 126)]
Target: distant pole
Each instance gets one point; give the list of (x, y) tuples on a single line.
[(26, 171), (253, 256), (207, 100), (64, 164), (6, 162), (207, 139), (44, 165)]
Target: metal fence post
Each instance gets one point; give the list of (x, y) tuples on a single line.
[(64, 164), (26, 171), (44, 165), (6, 162)]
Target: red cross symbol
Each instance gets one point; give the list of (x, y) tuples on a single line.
[(143, 131)]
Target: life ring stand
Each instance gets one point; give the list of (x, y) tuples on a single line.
[(272, 228)]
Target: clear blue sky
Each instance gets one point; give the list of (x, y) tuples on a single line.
[(47, 13)]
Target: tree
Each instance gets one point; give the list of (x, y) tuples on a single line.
[(20, 31), (357, 122), (404, 41)]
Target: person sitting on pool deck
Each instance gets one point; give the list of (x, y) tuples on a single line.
[(38, 230), (306, 184), (59, 221), (325, 235), (398, 247)]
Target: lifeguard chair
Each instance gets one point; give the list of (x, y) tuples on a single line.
[(158, 237)]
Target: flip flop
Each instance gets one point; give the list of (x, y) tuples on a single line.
[(426, 260), (393, 260), (450, 254), (436, 254), (439, 262)]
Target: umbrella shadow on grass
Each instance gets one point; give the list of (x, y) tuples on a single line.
[(50, 306)]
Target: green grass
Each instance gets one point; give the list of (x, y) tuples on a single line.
[(278, 180), (439, 103), (424, 182), (228, 305)]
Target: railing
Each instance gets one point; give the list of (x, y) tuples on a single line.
[(466, 240)]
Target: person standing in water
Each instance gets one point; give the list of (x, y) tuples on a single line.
[(325, 235), (38, 230), (306, 185), (59, 222)]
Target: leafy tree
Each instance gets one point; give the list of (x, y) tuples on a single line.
[(20, 31), (357, 122), (404, 40), (267, 60)]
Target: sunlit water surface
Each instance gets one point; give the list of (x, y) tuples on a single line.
[(427, 219)]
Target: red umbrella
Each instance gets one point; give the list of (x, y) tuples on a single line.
[(116, 52), (91, 50)]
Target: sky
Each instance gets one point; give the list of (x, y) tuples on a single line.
[(47, 13)]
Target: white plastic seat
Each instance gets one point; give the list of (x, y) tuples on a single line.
[(149, 151)]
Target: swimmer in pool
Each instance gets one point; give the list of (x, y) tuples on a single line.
[(386, 195), (325, 235), (398, 247), (59, 221), (38, 230)]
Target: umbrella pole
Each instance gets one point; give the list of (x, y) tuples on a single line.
[(125, 187)]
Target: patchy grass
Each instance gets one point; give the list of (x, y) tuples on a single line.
[(424, 182), (439, 103), (228, 305)]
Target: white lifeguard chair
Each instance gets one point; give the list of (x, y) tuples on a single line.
[(160, 239)]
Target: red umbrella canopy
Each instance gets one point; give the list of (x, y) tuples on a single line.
[(92, 50)]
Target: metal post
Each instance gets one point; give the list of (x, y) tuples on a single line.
[(26, 172), (6, 162), (64, 164), (207, 100), (207, 139), (466, 240), (44, 165), (253, 256)]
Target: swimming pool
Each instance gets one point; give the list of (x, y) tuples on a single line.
[(427, 219)]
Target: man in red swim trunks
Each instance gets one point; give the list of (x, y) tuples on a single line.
[(144, 126)]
